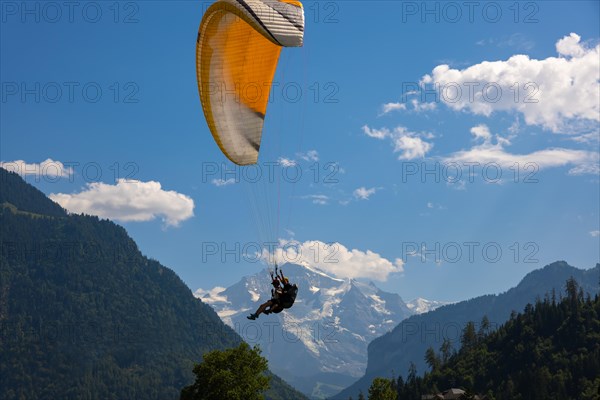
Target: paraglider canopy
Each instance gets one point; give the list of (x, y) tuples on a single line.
[(237, 51)]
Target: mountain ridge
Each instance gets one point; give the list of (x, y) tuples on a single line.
[(330, 324), (408, 341), (85, 315)]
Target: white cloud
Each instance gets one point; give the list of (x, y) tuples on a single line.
[(336, 259), (432, 205), (223, 182), (557, 93), (48, 168), (417, 106), (377, 133), (129, 200), (569, 46), (481, 132), (410, 145), (516, 40), (286, 162), (595, 233), (487, 152), (515, 127), (311, 155), (421, 107), (460, 184), (319, 199), (290, 232), (362, 193), (389, 107), (586, 138), (590, 168)]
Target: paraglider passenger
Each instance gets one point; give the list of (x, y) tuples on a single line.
[(282, 296)]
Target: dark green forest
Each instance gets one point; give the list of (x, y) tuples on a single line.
[(550, 351), (395, 352), (84, 315)]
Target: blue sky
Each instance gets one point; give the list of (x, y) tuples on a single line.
[(367, 102)]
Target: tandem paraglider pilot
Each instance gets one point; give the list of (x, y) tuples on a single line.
[(283, 296)]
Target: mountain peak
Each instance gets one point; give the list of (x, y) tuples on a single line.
[(552, 272), (421, 305), (331, 324)]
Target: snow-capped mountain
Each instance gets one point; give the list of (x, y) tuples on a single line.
[(320, 344), (421, 306)]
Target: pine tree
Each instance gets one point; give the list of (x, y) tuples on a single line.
[(432, 359), (446, 350), (382, 389)]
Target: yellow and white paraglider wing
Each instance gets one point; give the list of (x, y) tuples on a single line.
[(238, 47)]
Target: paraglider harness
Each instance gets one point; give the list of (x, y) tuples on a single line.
[(286, 295)]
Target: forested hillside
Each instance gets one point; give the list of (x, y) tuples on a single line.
[(84, 315)]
